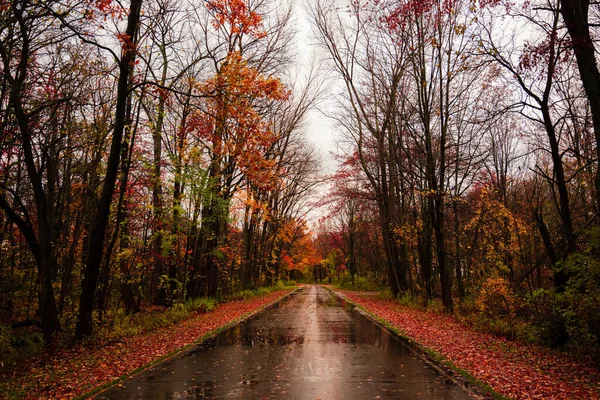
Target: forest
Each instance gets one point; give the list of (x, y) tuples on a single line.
[(470, 177), (155, 152), (151, 153)]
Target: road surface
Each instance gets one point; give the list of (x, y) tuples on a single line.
[(311, 345)]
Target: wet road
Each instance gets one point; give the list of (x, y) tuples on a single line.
[(309, 346)]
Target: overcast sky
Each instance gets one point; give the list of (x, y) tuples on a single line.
[(320, 129)]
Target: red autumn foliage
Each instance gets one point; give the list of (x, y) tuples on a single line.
[(512, 369), (71, 372)]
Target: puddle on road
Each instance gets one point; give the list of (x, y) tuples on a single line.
[(277, 327)]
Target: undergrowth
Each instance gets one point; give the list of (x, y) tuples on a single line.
[(360, 283), (121, 325), (18, 345), (248, 293)]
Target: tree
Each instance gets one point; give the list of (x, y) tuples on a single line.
[(236, 134), (26, 28), (539, 65), (372, 108), (576, 15), (98, 231)]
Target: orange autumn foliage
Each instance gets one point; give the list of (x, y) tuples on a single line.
[(300, 251), (232, 123), (236, 15)]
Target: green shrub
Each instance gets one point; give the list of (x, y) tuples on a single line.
[(6, 350), (491, 312), (576, 309), (202, 305), (580, 302), (121, 325), (361, 283), (435, 305), (18, 345), (242, 294), (386, 293), (546, 308), (418, 301), (247, 293)]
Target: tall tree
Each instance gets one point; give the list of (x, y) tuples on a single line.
[(576, 16), (98, 231)]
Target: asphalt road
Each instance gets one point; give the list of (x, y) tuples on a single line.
[(310, 346)]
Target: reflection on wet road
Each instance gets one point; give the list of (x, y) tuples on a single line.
[(309, 346)]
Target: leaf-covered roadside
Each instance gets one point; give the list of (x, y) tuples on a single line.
[(512, 369), (72, 372)]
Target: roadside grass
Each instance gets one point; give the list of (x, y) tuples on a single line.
[(246, 294), (360, 284)]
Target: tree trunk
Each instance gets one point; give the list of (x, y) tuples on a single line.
[(426, 247), (445, 278), (48, 310), (575, 15), (98, 232), (160, 296), (457, 253)]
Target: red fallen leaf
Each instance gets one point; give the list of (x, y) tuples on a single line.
[(513, 369), (82, 369)]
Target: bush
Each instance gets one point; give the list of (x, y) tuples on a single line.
[(420, 302), (496, 299), (361, 283), (18, 345), (512, 329), (545, 305), (202, 305), (122, 325), (6, 350), (386, 293), (580, 303), (246, 294)]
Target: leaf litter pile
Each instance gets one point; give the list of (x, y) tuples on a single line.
[(68, 373), (512, 369)]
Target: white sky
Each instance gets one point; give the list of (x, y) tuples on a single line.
[(320, 129)]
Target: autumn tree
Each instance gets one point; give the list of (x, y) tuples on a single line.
[(40, 79), (236, 134), (539, 65), (372, 108)]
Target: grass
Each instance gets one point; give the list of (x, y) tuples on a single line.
[(249, 293), (18, 345), (361, 284), (121, 325)]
